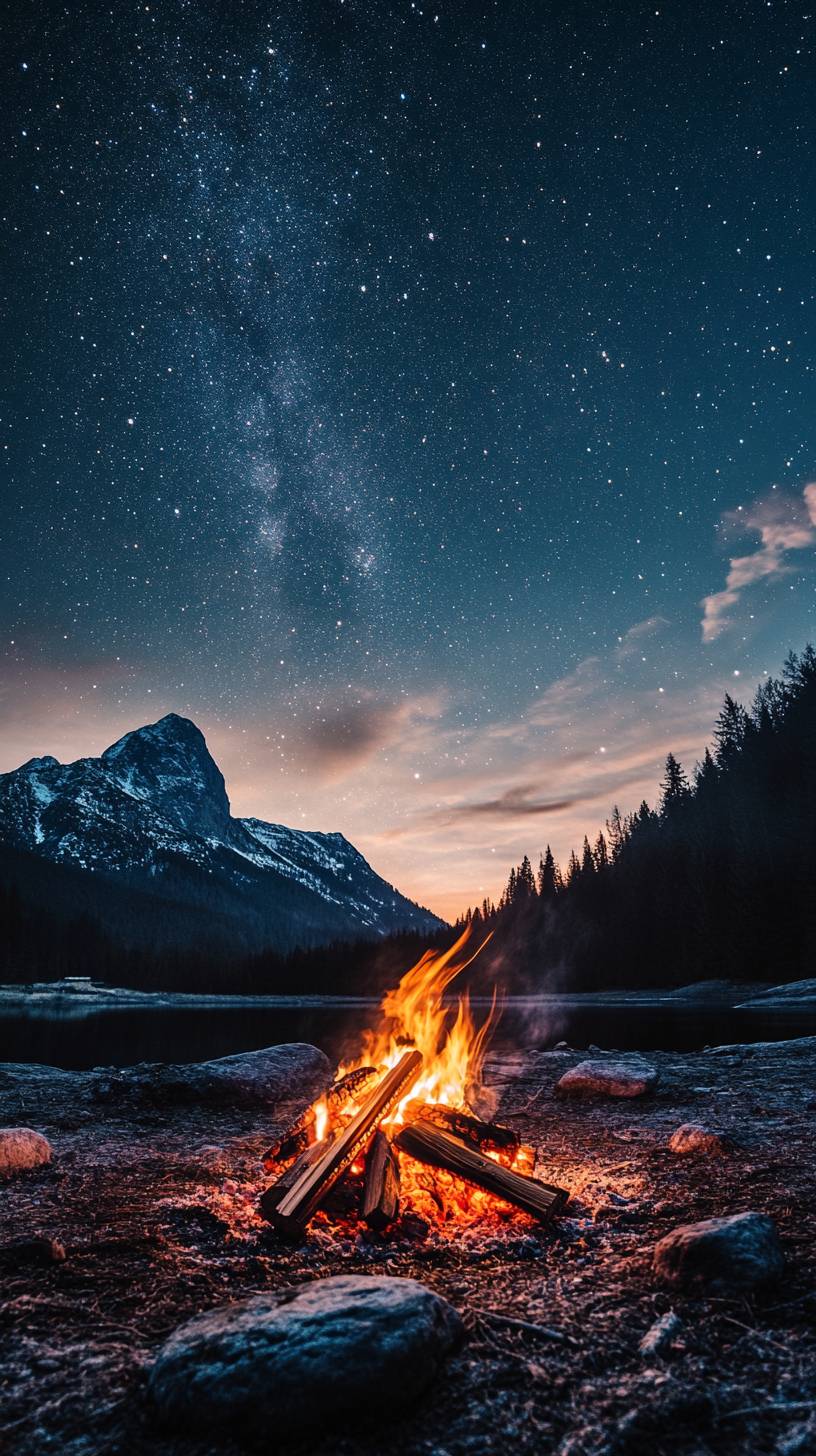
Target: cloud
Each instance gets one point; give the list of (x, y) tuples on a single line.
[(633, 640), (784, 524), (516, 802), (344, 734)]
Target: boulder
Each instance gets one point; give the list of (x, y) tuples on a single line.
[(694, 1137), (737, 1251), (21, 1148), (617, 1078), (272, 1075), (279, 1365)]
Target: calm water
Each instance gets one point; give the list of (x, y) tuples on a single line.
[(120, 1037)]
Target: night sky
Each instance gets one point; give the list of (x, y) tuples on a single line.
[(418, 397)]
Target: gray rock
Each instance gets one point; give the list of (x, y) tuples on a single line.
[(799, 1440), (661, 1334), (21, 1148), (737, 1251), (694, 1137), (619, 1078), (272, 1075), (281, 1364)]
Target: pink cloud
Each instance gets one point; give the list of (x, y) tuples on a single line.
[(784, 524)]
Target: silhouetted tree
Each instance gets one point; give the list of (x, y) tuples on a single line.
[(549, 879), (674, 787)]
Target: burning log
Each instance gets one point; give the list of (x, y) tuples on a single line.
[(276, 1191), (297, 1137), (353, 1085), (381, 1189), (303, 1132), (292, 1213), (429, 1144), (465, 1126)]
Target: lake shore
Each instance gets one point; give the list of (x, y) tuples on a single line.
[(66, 995)]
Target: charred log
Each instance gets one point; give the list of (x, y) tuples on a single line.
[(275, 1192), (381, 1189), (429, 1144), (464, 1125), (298, 1136), (299, 1203), (352, 1086)]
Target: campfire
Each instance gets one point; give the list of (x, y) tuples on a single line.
[(400, 1121)]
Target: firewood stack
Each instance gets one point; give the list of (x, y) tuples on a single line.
[(485, 1155)]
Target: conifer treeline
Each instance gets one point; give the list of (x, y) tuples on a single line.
[(719, 880)]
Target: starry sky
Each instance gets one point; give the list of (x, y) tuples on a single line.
[(420, 397)]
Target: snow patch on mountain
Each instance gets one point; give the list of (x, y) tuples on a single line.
[(154, 809)]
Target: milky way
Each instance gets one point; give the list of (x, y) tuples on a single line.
[(375, 374)]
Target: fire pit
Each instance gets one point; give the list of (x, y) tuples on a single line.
[(399, 1119)]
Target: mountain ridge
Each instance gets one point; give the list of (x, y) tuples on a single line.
[(152, 812)]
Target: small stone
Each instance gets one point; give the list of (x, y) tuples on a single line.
[(608, 1079), (660, 1335), (37, 1250), (21, 1148), (694, 1137), (283, 1364), (738, 1251), (798, 1440)]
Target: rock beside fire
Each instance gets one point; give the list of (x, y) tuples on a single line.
[(262, 1078), (313, 1356), (21, 1148), (631, 1078), (737, 1251), (694, 1137)]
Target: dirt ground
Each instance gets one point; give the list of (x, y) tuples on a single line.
[(155, 1208)]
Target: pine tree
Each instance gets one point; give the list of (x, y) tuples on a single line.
[(617, 831), (600, 854), (587, 859), (706, 773), (525, 881), (509, 896), (675, 787), (548, 877), (768, 708), (731, 730)]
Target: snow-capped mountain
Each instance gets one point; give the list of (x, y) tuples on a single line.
[(152, 814)]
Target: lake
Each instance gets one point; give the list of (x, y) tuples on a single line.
[(81, 1036)]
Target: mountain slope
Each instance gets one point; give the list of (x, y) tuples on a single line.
[(152, 814)]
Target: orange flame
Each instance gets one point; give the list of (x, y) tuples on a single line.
[(416, 1016), (321, 1110)]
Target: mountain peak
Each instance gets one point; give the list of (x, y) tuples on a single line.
[(171, 728), (168, 763), (47, 761)]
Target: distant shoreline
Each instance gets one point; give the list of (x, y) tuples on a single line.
[(58, 995)]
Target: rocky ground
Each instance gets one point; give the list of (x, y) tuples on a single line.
[(150, 1199)]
